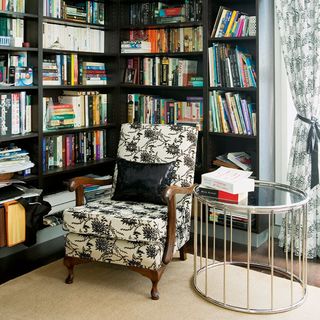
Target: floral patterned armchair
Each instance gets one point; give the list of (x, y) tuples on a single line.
[(141, 236)]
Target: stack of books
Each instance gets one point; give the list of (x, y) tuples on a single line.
[(226, 183), (94, 73), (50, 73), (236, 160), (14, 159), (60, 116)]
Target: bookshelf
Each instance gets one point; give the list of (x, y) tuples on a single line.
[(117, 27)]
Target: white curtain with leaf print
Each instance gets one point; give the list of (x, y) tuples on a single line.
[(299, 26)]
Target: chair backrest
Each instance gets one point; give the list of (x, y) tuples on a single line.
[(161, 143)]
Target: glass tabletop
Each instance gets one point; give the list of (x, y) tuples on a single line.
[(266, 195)]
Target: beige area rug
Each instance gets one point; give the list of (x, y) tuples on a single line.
[(110, 292)]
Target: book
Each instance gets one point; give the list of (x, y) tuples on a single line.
[(238, 198), (15, 223), (241, 159), (229, 180), (3, 233)]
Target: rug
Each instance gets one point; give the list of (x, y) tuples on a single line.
[(107, 292)]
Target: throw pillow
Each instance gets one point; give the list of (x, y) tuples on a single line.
[(142, 182)]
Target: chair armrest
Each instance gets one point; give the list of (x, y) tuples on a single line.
[(77, 185), (169, 193)]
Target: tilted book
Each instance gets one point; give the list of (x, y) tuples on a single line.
[(15, 223)]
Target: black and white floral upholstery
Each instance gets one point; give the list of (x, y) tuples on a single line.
[(134, 233)]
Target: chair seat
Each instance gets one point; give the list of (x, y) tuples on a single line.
[(122, 220)]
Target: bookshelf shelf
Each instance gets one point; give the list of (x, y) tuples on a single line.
[(231, 39), (74, 23), (152, 87), (14, 88), (14, 137), (78, 87), (164, 54), (162, 25), (75, 130), (18, 15), (80, 53), (233, 135), (234, 89), (78, 167), (31, 177), (29, 49)]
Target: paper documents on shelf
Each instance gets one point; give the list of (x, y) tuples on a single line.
[(229, 180)]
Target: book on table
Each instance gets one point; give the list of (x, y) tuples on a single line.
[(229, 180)]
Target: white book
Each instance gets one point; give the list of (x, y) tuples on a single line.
[(229, 180), (59, 152)]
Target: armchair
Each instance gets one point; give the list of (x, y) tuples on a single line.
[(140, 235)]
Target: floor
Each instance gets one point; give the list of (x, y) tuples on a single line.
[(261, 255)]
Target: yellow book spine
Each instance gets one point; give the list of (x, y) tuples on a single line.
[(233, 16), (72, 70)]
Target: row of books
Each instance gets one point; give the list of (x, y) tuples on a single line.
[(13, 31), (79, 11), (187, 39), (233, 23), (15, 113), (14, 159), (65, 37), (156, 110), (13, 5), (160, 12), (68, 69), (75, 109), (231, 67), (231, 113), (160, 71), (67, 150), (239, 219)]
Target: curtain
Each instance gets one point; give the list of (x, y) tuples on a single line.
[(299, 25)]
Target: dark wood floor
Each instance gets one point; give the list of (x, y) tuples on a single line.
[(260, 255)]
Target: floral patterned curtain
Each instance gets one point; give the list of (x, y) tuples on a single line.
[(299, 25)]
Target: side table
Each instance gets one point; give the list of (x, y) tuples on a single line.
[(246, 285)]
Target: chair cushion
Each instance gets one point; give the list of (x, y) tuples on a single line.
[(128, 220), (142, 182), (119, 220), (136, 254)]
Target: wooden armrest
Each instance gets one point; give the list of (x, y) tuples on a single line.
[(77, 185), (169, 194)]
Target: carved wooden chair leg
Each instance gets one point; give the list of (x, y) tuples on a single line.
[(70, 262), (183, 252), (154, 276)]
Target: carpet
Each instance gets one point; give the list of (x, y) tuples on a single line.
[(108, 292)]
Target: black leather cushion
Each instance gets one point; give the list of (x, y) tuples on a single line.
[(142, 182)]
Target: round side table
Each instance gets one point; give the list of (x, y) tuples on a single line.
[(246, 285)]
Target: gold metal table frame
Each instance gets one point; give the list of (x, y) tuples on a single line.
[(203, 264)]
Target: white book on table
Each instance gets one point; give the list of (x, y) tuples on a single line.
[(229, 180)]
